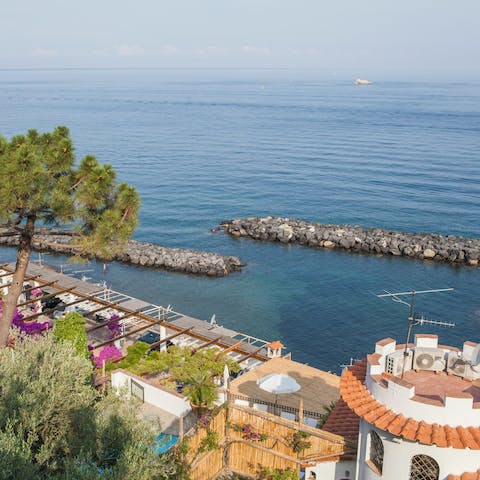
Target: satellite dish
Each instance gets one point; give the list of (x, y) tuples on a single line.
[(475, 359)]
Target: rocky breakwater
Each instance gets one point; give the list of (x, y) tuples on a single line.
[(453, 249), (145, 255)]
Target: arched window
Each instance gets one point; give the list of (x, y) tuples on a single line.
[(376, 451), (424, 467)]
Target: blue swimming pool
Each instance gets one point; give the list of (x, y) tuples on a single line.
[(164, 441)]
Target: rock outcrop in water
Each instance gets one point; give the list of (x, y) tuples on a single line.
[(145, 255), (453, 249)]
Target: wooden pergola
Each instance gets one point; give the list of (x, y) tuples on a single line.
[(223, 342)]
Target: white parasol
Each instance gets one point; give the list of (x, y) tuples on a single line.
[(278, 383)]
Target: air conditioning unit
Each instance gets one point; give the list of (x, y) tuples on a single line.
[(457, 365), (395, 361), (429, 359)]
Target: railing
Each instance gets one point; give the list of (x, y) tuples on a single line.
[(276, 408)]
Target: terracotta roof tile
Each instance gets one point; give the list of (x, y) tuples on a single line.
[(467, 438), (343, 421), (396, 427), (424, 433), (275, 345), (359, 401), (475, 433), (374, 358), (439, 437), (465, 476), (410, 429), (453, 439), (385, 341), (375, 413), (384, 420)]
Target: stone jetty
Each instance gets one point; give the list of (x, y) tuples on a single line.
[(145, 255), (453, 249)]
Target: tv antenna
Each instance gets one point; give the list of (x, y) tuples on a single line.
[(413, 321), (346, 366)]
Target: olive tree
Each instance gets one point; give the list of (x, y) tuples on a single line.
[(55, 425), (41, 185)]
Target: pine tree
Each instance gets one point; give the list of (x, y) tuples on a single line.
[(41, 185)]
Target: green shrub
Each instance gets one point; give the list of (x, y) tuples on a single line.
[(134, 353), (71, 328), (55, 425)]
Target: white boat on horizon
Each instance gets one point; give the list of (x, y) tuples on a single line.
[(360, 81)]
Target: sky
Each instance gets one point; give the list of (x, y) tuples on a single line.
[(368, 35)]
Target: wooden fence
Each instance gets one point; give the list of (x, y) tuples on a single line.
[(249, 440)]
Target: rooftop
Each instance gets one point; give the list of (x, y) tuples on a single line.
[(361, 402), (343, 421), (427, 381), (466, 476), (317, 388)]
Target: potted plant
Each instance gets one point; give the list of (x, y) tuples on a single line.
[(201, 391)]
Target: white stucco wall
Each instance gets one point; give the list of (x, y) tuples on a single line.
[(162, 398), (332, 471), (398, 454), (455, 412)]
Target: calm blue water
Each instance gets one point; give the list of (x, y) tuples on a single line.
[(202, 146)]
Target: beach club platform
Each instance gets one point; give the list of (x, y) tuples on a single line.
[(155, 324)]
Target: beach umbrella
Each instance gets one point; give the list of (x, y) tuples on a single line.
[(226, 376), (278, 383)]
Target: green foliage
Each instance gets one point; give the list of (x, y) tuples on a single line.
[(328, 410), (201, 390), (247, 431), (39, 179), (54, 425), (174, 463), (184, 364), (196, 370), (298, 441), (179, 362), (277, 474), (71, 328), (210, 442), (41, 184), (135, 353)]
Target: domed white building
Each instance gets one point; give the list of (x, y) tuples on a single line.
[(418, 412)]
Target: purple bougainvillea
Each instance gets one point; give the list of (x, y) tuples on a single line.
[(30, 328), (115, 327), (107, 353), (35, 292)]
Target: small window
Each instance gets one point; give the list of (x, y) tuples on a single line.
[(424, 467), (376, 451), (390, 365), (137, 390)]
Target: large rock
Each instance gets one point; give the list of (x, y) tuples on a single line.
[(429, 253), (453, 249), (147, 255)]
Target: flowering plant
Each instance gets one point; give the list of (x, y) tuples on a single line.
[(298, 443), (248, 432), (35, 292), (109, 353), (115, 327), (30, 328)]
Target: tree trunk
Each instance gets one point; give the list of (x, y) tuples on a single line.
[(23, 257)]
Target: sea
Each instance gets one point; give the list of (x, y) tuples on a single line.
[(202, 146)]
